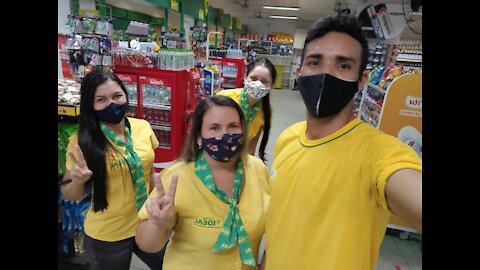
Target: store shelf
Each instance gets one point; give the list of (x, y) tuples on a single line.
[(68, 110), (156, 106), (376, 87), (367, 119), (371, 101), (229, 86), (408, 60), (160, 127)]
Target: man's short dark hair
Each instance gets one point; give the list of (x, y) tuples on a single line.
[(342, 23)]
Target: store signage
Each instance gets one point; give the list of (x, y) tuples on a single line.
[(89, 13), (124, 78), (205, 3), (156, 82), (200, 14), (414, 102), (174, 5)]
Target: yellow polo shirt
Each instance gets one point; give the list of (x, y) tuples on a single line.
[(258, 121), (201, 215), (328, 208), (119, 220)]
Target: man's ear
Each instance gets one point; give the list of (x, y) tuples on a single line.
[(297, 72), (363, 80)]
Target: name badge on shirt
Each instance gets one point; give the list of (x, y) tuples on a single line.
[(207, 222)]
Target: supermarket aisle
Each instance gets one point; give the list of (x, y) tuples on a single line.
[(288, 108)]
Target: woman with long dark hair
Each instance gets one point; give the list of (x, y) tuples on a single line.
[(111, 157), (212, 202), (259, 79)]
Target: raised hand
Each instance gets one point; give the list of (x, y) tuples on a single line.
[(80, 172), (161, 208)]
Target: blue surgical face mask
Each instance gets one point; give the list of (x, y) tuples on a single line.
[(113, 113), (224, 147), (325, 95)]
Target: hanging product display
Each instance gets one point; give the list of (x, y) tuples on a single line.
[(89, 44)]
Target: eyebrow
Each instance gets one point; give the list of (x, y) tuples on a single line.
[(337, 57), (117, 92), (218, 124)]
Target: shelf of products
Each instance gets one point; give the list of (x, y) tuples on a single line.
[(89, 44), (283, 67), (68, 97), (172, 40), (407, 53), (370, 106)]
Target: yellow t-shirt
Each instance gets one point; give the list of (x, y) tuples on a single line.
[(328, 208), (258, 121), (119, 220), (201, 215)]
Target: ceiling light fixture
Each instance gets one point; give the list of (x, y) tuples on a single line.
[(284, 17), (281, 8)]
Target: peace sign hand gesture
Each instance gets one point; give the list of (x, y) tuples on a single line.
[(161, 208), (80, 172)]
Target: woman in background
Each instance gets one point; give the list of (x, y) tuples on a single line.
[(254, 99)]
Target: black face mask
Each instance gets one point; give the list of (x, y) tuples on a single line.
[(325, 95), (113, 113)]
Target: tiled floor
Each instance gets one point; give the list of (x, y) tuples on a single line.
[(395, 253)]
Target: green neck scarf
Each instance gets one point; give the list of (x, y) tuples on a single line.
[(133, 160), (244, 104), (233, 230)]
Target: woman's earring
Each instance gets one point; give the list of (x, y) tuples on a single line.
[(199, 146)]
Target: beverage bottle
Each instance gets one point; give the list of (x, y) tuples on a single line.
[(168, 61), (166, 117), (161, 95), (161, 117), (167, 138)]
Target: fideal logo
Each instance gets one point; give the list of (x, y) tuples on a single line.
[(117, 164), (414, 102), (207, 222)]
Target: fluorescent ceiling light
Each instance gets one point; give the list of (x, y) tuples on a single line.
[(281, 8), (284, 17)]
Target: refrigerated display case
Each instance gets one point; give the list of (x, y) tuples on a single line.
[(163, 99), (232, 73)]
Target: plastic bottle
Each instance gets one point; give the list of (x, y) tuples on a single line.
[(161, 59), (161, 95), (168, 60)]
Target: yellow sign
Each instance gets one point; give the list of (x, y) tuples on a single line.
[(200, 14), (173, 29), (68, 110), (402, 117), (205, 2), (238, 24), (89, 13), (174, 5), (220, 14), (231, 23), (403, 104)]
